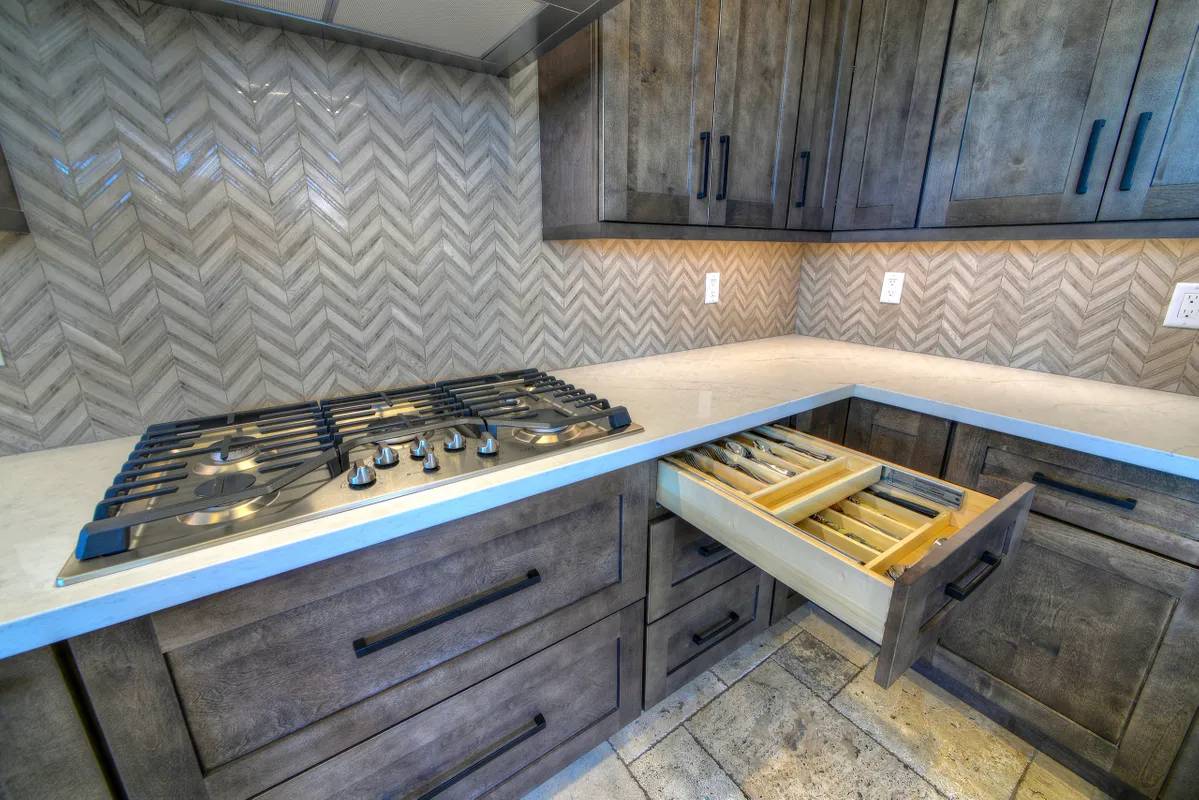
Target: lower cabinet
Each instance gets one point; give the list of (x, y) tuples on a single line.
[(903, 437), (785, 601), (695, 636), (827, 422)]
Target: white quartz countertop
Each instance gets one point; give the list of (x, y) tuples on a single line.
[(680, 399)]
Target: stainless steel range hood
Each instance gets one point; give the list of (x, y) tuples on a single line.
[(11, 216), (494, 36)]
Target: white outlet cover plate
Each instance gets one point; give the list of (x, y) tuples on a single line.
[(892, 287), (1184, 307), (712, 287)]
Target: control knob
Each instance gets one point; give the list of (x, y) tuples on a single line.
[(454, 443), (489, 446), (430, 463), (361, 475), (419, 447), (386, 456)]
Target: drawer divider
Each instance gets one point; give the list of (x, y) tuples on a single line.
[(825, 496), (916, 541)]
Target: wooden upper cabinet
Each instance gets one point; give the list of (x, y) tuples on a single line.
[(1155, 174), (823, 104), (658, 78), (897, 71), (1031, 103), (757, 99)]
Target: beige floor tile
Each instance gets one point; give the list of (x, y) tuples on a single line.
[(749, 655), (853, 646), (677, 768), (957, 749), (1048, 780), (596, 774), (655, 723), (779, 741), (817, 665)]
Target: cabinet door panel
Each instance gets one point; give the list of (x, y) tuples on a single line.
[(901, 45), (658, 63), (823, 104), (1025, 83), (903, 437), (1092, 643), (757, 100), (1163, 180)]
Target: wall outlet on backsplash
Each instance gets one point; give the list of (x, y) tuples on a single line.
[(892, 288), (712, 287), (1184, 307)]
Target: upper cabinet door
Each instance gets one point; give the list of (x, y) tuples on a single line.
[(823, 103), (658, 63), (757, 100), (1155, 174), (901, 46), (1033, 95)]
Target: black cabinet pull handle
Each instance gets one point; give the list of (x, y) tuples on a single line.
[(1126, 503), (1134, 150), (990, 563), (366, 646), (501, 746), (1088, 159), (726, 144), (706, 139), (711, 548), (717, 629), (806, 158)]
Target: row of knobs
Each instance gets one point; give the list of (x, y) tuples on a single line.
[(363, 474)]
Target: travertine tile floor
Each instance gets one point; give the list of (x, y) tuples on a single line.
[(796, 715)]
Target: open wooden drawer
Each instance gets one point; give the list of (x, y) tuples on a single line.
[(891, 552)]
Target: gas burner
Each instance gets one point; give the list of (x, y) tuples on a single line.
[(197, 482)]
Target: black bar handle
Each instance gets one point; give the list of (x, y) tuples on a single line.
[(990, 563), (706, 139), (711, 548), (1134, 150), (503, 745), (726, 144), (717, 629), (1088, 159), (1126, 503), (806, 158), (365, 646)]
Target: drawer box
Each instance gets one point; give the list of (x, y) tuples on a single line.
[(888, 551), (692, 638), (684, 562), (1143, 507), (475, 744)]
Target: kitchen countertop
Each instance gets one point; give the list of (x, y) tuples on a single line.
[(680, 399)]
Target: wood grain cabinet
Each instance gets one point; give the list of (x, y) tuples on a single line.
[(677, 112), (311, 672), (826, 422), (46, 751), (903, 437), (1031, 103), (1155, 173)]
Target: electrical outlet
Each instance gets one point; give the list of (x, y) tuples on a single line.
[(1184, 307), (892, 287), (712, 287)]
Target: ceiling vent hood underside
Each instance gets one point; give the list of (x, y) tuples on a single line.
[(498, 37)]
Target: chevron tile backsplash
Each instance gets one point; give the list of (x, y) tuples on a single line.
[(227, 216), (1091, 309)]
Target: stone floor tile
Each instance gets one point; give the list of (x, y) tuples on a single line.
[(677, 768), (817, 665), (957, 749), (652, 726), (732, 667), (852, 646), (780, 741), (1048, 780), (599, 773)]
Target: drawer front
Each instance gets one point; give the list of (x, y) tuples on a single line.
[(690, 639), (1149, 509), (478, 742), (898, 589), (684, 562)]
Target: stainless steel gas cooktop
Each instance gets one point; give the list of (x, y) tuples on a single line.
[(195, 483)]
